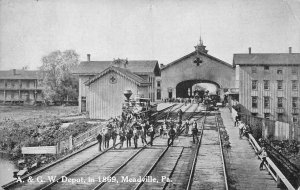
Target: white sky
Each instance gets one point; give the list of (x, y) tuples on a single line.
[(163, 30)]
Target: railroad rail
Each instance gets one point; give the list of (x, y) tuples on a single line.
[(208, 168), (151, 164), (56, 167), (80, 171), (275, 172), (124, 159)]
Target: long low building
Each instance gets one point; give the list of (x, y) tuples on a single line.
[(20, 86)]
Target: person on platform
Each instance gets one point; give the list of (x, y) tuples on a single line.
[(122, 138), (180, 115), (241, 127), (237, 119), (152, 133), (246, 131), (165, 129), (195, 132), (171, 134), (114, 137), (135, 138), (161, 130), (143, 136), (106, 139), (129, 135), (263, 153), (99, 138), (187, 127), (178, 127)]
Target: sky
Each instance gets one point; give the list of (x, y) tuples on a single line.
[(162, 30)]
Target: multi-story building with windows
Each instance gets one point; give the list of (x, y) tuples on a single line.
[(269, 84), (20, 86)]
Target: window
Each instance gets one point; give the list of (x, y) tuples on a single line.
[(279, 85), (253, 70), (27, 84), (280, 116), (12, 95), (5, 84), (266, 68), (294, 85), (279, 71), (158, 83), (279, 102), (266, 102), (267, 115), (294, 102), (12, 84), (254, 102), (254, 114), (295, 119), (158, 94), (294, 71), (254, 85), (266, 85)]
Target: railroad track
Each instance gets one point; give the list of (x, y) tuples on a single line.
[(147, 164), (208, 168), (100, 172), (98, 178), (64, 166)]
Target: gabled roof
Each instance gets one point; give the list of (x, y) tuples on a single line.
[(123, 72), (20, 74), (96, 67), (194, 53), (267, 59)]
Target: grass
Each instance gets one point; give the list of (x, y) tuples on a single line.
[(34, 114)]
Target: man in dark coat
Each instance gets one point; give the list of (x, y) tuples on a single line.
[(180, 115), (152, 133), (135, 137), (114, 137), (171, 136), (106, 139), (122, 138), (195, 132), (129, 135), (99, 138)]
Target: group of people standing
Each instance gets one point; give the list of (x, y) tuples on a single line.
[(128, 127), (244, 129), (133, 127)]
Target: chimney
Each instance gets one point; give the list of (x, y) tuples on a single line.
[(249, 50), (290, 49), (88, 57), (14, 72)]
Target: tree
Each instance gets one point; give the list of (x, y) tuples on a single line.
[(56, 78)]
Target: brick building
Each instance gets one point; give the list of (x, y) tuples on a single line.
[(20, 86)]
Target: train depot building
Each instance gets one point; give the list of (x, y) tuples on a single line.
[(102, 84), (179, 78)]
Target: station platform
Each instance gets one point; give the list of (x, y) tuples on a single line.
[(243, 168)]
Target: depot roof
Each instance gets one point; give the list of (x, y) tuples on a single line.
[(96, 67)]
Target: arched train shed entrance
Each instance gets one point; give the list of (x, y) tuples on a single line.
[(179, 76), (185, 89)]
